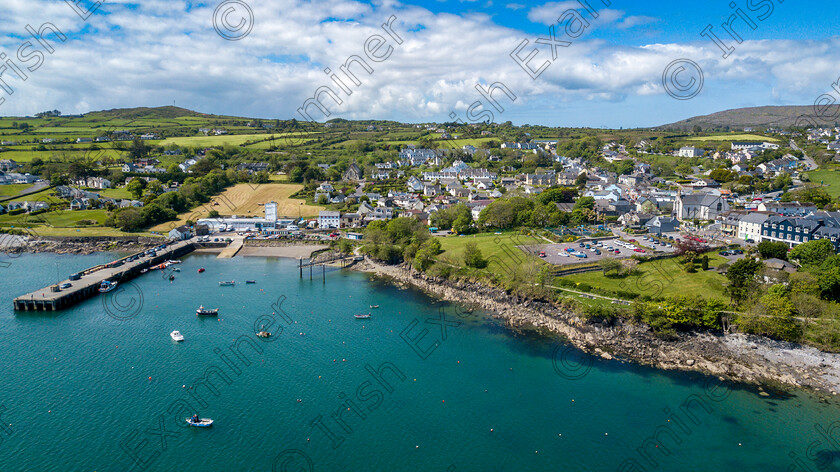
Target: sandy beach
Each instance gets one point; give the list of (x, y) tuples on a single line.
[(294, 252)]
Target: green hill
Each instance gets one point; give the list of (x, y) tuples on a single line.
[(759, 118)]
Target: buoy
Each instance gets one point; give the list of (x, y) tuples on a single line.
[(150, 378), (491, 430)]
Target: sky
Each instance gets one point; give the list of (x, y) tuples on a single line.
[(587, 63)]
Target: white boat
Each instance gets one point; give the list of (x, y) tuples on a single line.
[(374, 306), (176, 335), (173, 262), (176, 270), (227, 284), (107, 286), (199, 422)]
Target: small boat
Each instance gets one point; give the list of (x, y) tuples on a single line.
[(176, 270), (171, 277), (107, 286), (250, 281), (374, 307), (362, 317), (201, 311), (201, 270), (176, 335), (173, 262), (227, 284), (144, 271), (200, 422), (264, 334)]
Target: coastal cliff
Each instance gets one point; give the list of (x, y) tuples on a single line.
[(745, 358)]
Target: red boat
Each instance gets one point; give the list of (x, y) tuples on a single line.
[(201, 270)]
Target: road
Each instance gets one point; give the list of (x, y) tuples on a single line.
[(812, 165)]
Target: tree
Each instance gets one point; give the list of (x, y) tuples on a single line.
[(138, 149), (773, 249), (154, 187), (741, 277), (473, 257), (812, 253), (129, 219), (610, 264), (135, 187)]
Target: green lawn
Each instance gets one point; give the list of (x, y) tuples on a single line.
[(13, 189), (57, 219), (120, 193), (499, 249), (664, 277), (45, 195), (829, 178), (734, 137), (232, 139)]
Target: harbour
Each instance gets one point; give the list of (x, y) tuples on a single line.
[(86, 284)]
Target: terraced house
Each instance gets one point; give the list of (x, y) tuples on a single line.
[(794, 231)]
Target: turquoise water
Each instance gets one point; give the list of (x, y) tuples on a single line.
[(99, 387)]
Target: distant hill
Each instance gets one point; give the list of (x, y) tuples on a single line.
[(759, 118), (166, 112)]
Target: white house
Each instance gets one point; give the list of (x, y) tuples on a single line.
[(329, 219), (180, 233), (749, 226), (690, 151)]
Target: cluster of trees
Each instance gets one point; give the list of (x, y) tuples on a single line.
[(398, 240), (517, 211), (163, 206)]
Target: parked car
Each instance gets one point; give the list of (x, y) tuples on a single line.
[(638, 250), (542, 253), (65, 285), (597, 252)]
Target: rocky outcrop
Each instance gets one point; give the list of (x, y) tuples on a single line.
[(743, 358), (80, 245)]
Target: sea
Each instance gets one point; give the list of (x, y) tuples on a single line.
[(422, 385)]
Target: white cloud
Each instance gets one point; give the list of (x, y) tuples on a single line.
[(154, 52)]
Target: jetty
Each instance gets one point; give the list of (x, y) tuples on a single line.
[(85, 284)]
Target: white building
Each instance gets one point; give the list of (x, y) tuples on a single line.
[(271, 211), (690, 151), (749, 226), (329, 219)]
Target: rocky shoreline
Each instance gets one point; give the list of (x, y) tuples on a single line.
[(14, 245), (743, 358)]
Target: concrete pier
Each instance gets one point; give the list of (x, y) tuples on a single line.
[(52, 298)]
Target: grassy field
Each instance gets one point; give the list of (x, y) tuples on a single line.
[(733, 137), (120, 193), (13, 189), (499, 249), (662, 278), (58, 219), (246, 199), (45, 195), (234, 140), (829, 178)]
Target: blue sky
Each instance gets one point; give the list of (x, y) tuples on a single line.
[(160, 52)]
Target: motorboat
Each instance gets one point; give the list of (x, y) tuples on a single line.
[(201, 311), (173, 262), (176, 270), (362, 317), (144, 271), (264, 334), (250, 281), (200, 270), (199, 422), (227, 284), (107, 286), (176, 335), (171, 277), (373, 307)]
